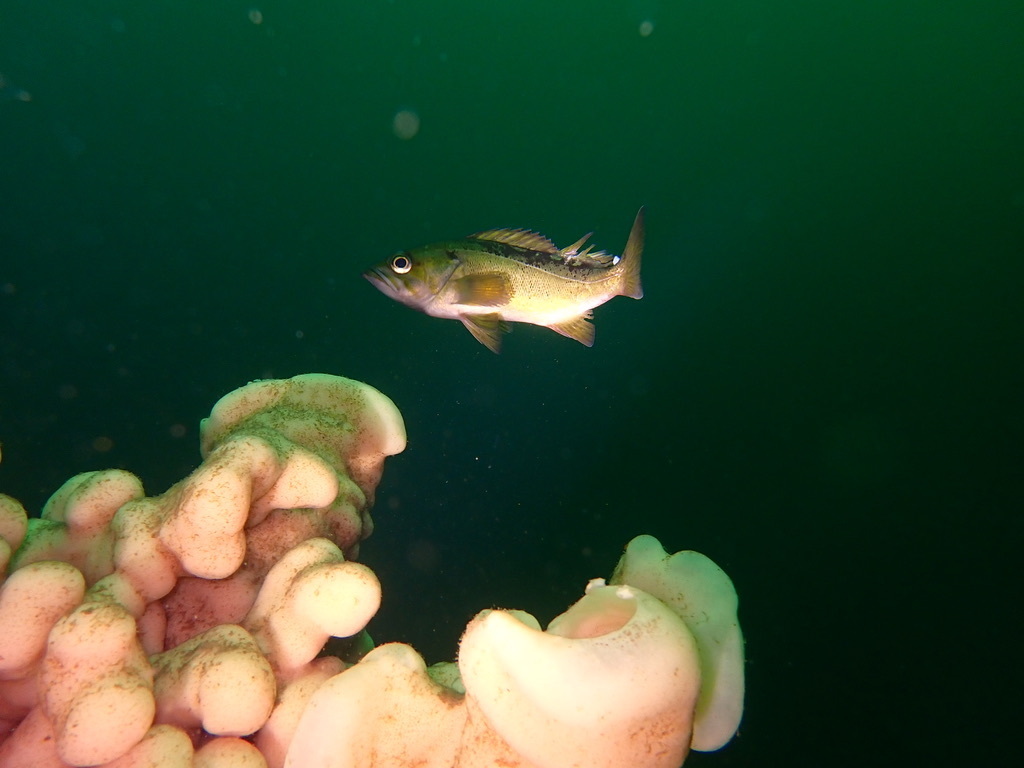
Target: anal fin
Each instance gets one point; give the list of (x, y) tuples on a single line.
[(487, 329), (576, 328)]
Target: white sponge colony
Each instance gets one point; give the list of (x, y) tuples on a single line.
[(703, 596)]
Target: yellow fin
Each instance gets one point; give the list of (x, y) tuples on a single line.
[(487, 329), (631, 259), (571, 250), (576, 328), (587, 257), (484, 289), (524, 238)]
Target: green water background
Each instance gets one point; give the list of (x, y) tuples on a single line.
[(820, 389)]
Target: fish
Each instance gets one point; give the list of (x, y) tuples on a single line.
[(493, 278)]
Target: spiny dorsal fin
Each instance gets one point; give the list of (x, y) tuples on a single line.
[(524, 238), (588, 257), (572, 250)]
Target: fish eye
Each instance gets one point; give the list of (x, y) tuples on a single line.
[(401, 263)]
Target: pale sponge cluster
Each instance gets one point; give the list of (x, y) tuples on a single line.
[(188, 629)]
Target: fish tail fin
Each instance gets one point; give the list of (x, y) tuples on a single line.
[(631, 259)]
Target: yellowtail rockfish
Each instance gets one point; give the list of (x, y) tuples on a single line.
[(503, 276)]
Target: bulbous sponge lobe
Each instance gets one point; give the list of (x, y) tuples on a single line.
[(218, 680), (309, 595), (31, 602), (385, 712), (96, 684), (703, 596), (613, 682), (348, 423)]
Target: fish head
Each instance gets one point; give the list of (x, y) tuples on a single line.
[(414, 278)]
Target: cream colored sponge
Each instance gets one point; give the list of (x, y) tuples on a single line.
[(188, 629), (701, 594)]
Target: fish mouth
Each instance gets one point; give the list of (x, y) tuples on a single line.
[(382, 280)]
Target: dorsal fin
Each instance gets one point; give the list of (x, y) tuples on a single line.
[(524, 238), (588, 257), (571, 250)]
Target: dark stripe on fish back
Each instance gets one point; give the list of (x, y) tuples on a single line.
[(550, 262)]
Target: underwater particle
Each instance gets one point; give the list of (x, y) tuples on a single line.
[(255, 15), (639, 386), (422, 555), (646, 27), (9, 92), (177, 430), (102, 444), (70, 143), (406, 124), (67, 392)]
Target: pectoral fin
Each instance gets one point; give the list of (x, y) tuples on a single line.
[(577, 328), (487, 329), (485, 289)]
